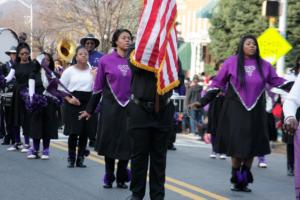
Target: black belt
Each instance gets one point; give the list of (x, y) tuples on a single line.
[(148, 105)]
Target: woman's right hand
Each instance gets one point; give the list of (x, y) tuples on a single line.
[(194, 105), (291, 125), (207, 138), (73, 100)]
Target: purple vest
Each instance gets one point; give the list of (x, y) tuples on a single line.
[(114, 70), (254, 84)]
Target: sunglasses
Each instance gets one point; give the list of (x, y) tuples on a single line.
[(24, 53)]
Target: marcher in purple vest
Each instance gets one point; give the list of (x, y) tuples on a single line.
[(112, 83), (213, 115), (242, 132)]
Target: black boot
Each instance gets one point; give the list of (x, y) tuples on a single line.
[(92, 143), (237, 180), (6, 140), (290, 171), (80, 161), (134, 197), (108, 180), (71, 162), (122, 185), (247, 178)]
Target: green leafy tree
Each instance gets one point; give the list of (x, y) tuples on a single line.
[(234, 18), (231, 20), (293, 31)]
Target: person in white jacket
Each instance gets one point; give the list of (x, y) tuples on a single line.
[(290, 106)]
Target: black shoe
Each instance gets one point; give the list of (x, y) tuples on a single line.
[(172, 148), (134, 198), (236, 188), (92, 144), (79, 162), (246, 189), (290, 172), (71, 162), (107, 185), (122, 185), (6, 140)]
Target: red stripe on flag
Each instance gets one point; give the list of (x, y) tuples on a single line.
[(156, 51), (161, 78), (147, 31), (169, 25), (173, 50), (154, 54), (169, 70)]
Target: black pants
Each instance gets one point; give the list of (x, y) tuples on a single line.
[(122, 174), (92, 133), (172, 135), (3, 133), (72, 143), (149, 143), (290, 156)]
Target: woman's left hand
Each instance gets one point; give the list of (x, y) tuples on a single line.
[(207, 138), (84, 114)]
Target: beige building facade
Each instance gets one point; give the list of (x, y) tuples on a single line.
[(194, 30)]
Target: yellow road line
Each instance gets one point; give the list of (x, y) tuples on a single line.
[(168, 186), (174, 181), (195, 188)]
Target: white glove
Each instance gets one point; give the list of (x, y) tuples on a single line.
[(31, 90)]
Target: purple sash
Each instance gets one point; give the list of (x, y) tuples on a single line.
[(53, 85)]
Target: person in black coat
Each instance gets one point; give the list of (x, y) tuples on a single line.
[(5, 101), (149, 124)]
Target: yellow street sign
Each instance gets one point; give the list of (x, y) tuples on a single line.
[(272, 45)]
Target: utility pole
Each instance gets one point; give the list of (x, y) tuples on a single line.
[(282, 28)]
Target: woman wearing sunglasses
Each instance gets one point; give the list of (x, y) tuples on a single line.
[(23, 70)]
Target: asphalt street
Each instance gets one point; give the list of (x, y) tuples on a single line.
[(191, 174)]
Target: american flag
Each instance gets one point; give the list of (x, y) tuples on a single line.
[(156, 43)]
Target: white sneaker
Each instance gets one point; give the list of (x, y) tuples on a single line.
[(223, 157), (45, 157), (25, 148), (262, 165), (213, 155), (12, 148), (32, 156)]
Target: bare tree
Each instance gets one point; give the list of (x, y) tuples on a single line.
[(56, 19), (101, 17)]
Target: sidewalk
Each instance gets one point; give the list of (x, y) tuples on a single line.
[(276, 147)]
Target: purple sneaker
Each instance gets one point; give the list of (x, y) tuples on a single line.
[(45, 155), (32, 154), (262, 162)]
